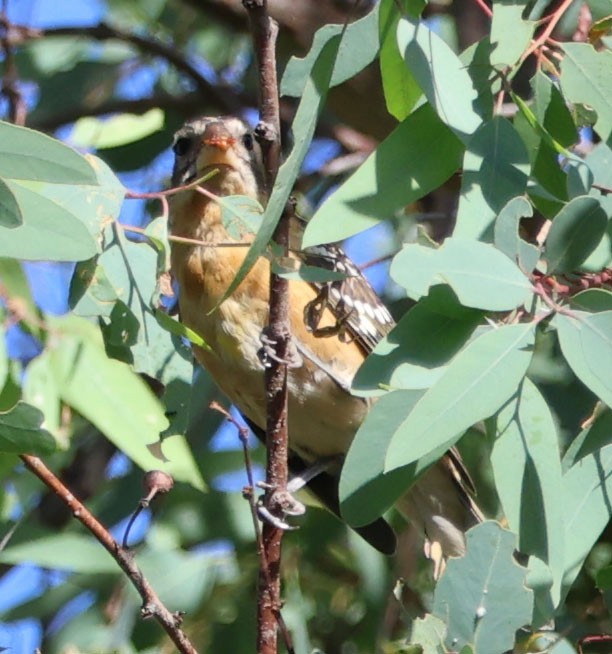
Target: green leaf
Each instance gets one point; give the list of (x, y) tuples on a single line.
[(29, 155), (63, 552), (10, 213), (415, 353), (129, 276), (313, 98), (586, 343), (507, 234), (575, 232), (366, 491), (357, 47), (593, 300), (240, 214), (21, 431), (478, 381), (429, 633), (402, 169), (116, 400), (597, 436), (481, 276), (585, 78), (552, 112), (585, 499), (527, 468), (481, 597), (400, 88), (179, 329), (510, 33), (440, 73), (90, 132), (62, 222), (495, 170)]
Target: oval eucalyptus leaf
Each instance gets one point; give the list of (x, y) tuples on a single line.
[(481, 276), (62, 222), (510, 33), (444, 79), (116, 400), (415, 353), (482, 596), (121, 129), (478, 381), (366, 491), (592, 300), (400, 88), (585, 499), (21, 431), (29, 155), (575, 232), (357, 47), (586, 343), (495, 170), (527, 468), (507, 237), (585, 79), (402, 169)]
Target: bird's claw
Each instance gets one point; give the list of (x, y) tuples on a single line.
[(278, 503), (268, 352)]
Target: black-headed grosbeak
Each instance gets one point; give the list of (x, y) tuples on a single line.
[(334, 326)]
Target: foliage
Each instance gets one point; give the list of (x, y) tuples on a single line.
[(509, 329)]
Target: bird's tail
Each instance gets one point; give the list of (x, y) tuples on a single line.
[(441, 505)]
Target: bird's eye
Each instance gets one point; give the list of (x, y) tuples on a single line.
[(181, 147), (247, 140)]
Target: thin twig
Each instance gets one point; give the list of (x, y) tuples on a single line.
[(552, 21), (152, 606), (243, 435), (183, 239), (485, 7)]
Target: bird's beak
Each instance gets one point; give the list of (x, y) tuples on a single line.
[(217, 136)]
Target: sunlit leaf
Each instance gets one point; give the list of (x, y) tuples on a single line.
[(527, 468), (575, 232), (415, 353), (478, 381), (402, 169), (507, 237), (441, 75), (481, 276), (586, 343), (357, 48), (482, 596), (495, 170)]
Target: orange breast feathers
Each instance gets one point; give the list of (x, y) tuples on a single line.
[(322, 413)]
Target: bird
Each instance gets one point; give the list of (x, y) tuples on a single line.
[(334, 326)]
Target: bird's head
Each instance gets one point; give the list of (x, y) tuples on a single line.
[(223, 143)]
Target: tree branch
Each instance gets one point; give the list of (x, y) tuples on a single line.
[(152, 606), (264, 31), (105, 32)]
